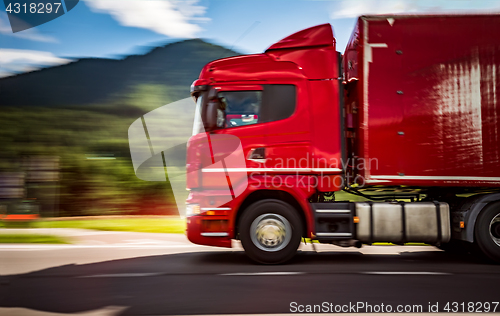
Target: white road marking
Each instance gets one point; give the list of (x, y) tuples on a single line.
[(405, 273), (262, 273), (93, 242), (148, 242), (121, 275), (363, 272)]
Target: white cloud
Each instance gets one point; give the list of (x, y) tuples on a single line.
[(351, 9), (30, 34), (167, 17), (355, 8), (14, 61)]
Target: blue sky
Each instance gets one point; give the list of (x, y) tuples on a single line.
[(113, 28)]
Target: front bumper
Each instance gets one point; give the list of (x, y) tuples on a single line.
[(209, 222), (208, 230)]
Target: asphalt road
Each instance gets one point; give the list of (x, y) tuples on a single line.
[(121, 277)]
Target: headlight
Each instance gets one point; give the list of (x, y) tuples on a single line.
[(192, 209)]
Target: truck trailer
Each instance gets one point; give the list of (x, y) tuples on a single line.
[(406, 119)]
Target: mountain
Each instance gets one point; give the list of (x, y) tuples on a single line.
[(98, 81), (76, 112)]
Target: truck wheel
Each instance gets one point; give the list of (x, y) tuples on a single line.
[(487, 232), (270, 231)]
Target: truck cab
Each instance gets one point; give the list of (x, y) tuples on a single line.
[(264, 101)]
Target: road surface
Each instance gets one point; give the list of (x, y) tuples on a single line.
[(160, 274)]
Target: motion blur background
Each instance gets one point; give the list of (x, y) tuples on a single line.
[(70, 88)]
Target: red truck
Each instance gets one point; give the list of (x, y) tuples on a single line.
[(407, 118)]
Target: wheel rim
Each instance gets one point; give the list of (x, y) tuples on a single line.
[(495, 229), (271, 232)]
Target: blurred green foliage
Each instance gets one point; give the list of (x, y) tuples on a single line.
[(145, 225), (88, 186)]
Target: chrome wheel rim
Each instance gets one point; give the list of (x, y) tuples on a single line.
[(270, 232), (495, 229)]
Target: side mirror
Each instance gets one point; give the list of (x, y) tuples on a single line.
[(211, 115)]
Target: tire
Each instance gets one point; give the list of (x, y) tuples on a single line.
[(487, 232), (280, 230)]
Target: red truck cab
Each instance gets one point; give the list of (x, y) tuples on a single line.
[(293, 73)]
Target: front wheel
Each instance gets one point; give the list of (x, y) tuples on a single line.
[(270, 231), (487, 232)]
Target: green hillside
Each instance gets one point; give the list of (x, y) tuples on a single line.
[(83, 110)]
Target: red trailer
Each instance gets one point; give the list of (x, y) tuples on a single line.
[(409, 123), (422, 91)]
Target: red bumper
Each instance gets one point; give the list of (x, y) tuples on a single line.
[(208, 230)]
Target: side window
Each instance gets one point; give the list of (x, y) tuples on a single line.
[(239, 108), (278, 102)]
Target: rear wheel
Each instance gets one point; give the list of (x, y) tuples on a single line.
[(270, 231), (487, 232)]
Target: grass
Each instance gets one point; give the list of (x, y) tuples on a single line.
[(145, 225), (16, 224), (30, 239)]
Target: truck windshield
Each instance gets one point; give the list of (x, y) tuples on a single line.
[(240, 107), (198, 122)]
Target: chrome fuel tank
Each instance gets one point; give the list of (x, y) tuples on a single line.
[(401, 222)]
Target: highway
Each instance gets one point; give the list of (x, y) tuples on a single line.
[(161, 274)]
